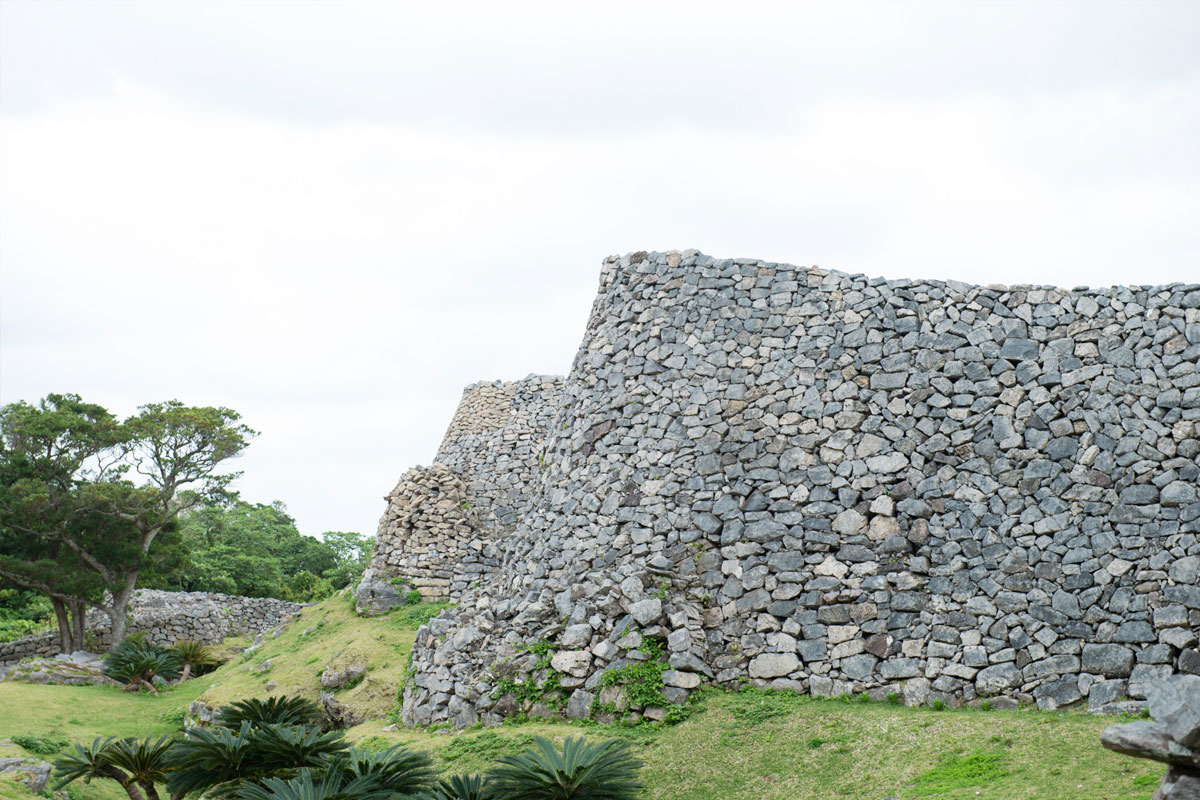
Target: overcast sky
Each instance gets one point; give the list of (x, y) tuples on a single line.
[(333, 216)]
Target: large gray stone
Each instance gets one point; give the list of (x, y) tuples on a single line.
[(773, 665), (647, 611), (1109, 660)]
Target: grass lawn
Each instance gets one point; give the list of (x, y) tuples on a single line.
[(763, 746), (738, 746)]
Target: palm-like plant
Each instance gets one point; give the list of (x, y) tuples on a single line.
[(394, 770), (220, 760), (279, 747), (272, 711), (209, 758), (582, 771), (462, 787), (136, 663), (330, 786), (136, 765), (145, 761), (196, 658)]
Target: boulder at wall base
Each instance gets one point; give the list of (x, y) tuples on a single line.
[(774, 665), (1172, 738), (374, 596)]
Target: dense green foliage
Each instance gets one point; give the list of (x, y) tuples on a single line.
[(255, 550), (41, 745), (276, 750), (23, 613)]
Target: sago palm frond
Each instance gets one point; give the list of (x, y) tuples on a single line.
[(394, 770), (462, 787), (87, 762), (144, 760), (330, 786), (209, 758), (276, 747)]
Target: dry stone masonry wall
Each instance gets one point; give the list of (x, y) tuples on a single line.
[(833, 483), (170, 617), (444, 525)]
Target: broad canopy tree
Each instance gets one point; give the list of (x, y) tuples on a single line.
[(84, 497)]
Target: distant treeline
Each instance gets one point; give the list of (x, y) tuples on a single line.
[(255, 550)]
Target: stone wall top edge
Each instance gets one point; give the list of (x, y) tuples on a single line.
[(658, 258), (500, 383)]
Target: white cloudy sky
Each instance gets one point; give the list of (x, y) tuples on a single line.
[(333, 216)]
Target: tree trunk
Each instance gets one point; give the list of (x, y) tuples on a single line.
[(119, 611), (127, 783), (64, 625), (187, 672), (79, 624)]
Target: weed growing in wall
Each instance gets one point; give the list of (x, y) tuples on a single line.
[(547, 691), (642, 683)]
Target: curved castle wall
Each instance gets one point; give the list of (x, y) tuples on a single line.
[(833, 483), (441, 527)]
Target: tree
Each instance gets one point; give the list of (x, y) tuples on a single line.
[(69, 514), (46, 452), (351, 550), (255, 550)]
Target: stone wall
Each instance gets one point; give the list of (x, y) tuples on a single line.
[(443, 526), (170, 617), (833, 483)]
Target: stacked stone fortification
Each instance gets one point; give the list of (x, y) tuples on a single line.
[(833, 483), (170, 617), (444, 525)]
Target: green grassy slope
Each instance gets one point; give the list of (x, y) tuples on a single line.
[(328, 634), (740, 746)]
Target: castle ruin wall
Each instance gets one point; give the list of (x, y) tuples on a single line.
[(832, 483)]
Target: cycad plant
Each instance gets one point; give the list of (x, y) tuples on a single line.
[(393, 774), (394, 770), (135, 764), (219, 761), (196, 658), (330, 786), (136, 664), (462, 787), (581, 771), (281, 710)]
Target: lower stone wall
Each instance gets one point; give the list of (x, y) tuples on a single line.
[(171, 617)]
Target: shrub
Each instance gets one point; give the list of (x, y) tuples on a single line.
[(41, 745)]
